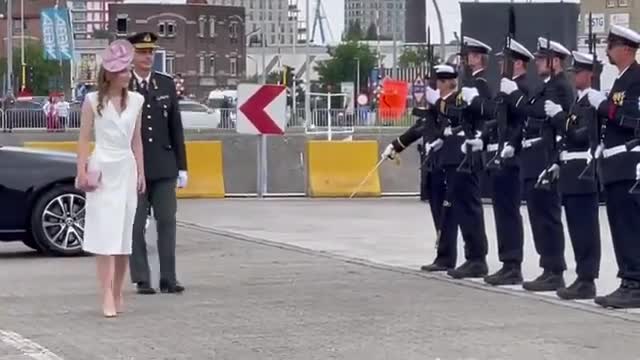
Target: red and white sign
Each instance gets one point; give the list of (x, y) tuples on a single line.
[(262, 109)]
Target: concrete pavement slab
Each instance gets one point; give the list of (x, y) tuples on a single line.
[(395, 232), (258, 300)]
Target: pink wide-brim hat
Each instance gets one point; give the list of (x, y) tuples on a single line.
[(117, 56)]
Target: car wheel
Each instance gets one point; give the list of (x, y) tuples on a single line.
[(57, 221)]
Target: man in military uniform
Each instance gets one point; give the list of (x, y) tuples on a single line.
[(537, 155), (426, 127), (502, 150), (622, 121), (579, 196), (462, 205), (165, 166)]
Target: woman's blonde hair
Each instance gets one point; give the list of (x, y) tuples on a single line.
[(103, 87)]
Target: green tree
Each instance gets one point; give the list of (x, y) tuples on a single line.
[(343, 64), (415, 57), (354, 31), (47, 75)]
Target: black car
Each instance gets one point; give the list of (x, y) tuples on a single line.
[(40, 205)]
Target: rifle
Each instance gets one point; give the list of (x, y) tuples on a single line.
[(466, 124), (501, 122), (589, 172), (545, 182)]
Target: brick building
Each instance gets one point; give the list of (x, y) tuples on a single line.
[(203, 43), (32, 29)]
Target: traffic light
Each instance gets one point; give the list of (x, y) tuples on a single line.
[(30, 77), (288, 73)]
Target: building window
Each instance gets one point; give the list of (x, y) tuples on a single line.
[(201, 68), (169, 65), (623, 3), (611, 3), (167, 28), (233, 66), (233, 32), (212, 26), (212, 65), (121, 25), (202, 21)]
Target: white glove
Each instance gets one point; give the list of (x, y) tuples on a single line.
[(435, 145), (447, 131), (476, 145), (469, 93), (638, 171), (432, 95), (595, 97), (182, 179), (551, 108), (389, 152), (508, 86), (507, 152), (553, 169)]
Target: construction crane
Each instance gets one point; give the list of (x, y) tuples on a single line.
[(318, 18)]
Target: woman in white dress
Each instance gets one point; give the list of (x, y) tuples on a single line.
[(113, 174)]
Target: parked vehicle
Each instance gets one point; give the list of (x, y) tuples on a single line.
[(40, 205)]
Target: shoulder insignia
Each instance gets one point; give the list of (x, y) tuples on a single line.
[(164, 74)]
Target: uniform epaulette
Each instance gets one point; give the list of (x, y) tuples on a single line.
[(164, 74)]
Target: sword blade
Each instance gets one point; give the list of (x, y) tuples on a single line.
[(366, 178)]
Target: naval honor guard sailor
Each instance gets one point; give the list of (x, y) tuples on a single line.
[(618, 165)]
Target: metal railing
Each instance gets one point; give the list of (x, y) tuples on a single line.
[(321, 120)]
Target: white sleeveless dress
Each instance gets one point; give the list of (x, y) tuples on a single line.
[(111, 209)]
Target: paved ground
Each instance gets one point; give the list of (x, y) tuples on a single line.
[(396, 232), (254, 299)]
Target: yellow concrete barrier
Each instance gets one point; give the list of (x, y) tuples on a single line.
[(206, 174), (204, 159), (336, 168)]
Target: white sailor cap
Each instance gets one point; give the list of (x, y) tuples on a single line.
[(517, 51), (445, 71), (549, 47), (474, 45), (619, 34), (583, 61)]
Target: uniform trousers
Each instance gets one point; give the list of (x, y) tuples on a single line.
[(582, 212), (545, 218), (447, 251), (463, 208), (623, 212), (507, 197), (161, 197)]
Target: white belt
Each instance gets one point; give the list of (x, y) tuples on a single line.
[(618, 150), (494, 147), (529, 142), (574, 155)]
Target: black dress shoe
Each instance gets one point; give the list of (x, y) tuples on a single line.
[(508, 275), (627, 296), (435, 267), (548, 281), (581, 289), (170, 287), (145, 288), (470, 269)]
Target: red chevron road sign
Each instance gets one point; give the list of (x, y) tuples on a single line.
[(261, 109)]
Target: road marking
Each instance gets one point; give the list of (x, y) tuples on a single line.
[(26, 346)]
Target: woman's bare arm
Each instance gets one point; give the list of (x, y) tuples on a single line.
[(136, 145), (86, 124)]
